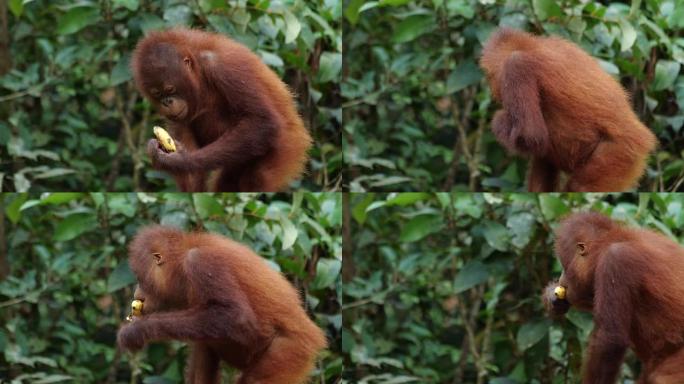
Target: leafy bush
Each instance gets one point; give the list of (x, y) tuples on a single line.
[(70, 285), (417, 109), (71, 119), (446, 288)]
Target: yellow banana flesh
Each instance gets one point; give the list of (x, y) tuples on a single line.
[(559, 291), (165, 139), (136, 309)]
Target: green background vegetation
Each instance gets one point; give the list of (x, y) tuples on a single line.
[(417, 109), (446, 288), (70, 287), (71, 119)]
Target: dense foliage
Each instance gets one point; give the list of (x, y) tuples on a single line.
[(446, 288), (70, 286), (71, 119), (417, 110)]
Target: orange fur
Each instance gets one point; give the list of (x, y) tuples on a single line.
[(632, 280), (224, 299), (564, 111), (241, 119)]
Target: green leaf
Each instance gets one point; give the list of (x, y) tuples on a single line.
[(60, 197), (464, 203), (17, 7), (609, 67), (470, 275), (53, 172), (131, 5), (57, 378), (676, 19), (394, 3), (211, 5), (158, 380), (496, 235), (385, 181), (207, 205), (327, 272), (76, 19), (420, 226), (368, 5), (629, 35), (521, 225), (13, 209), (359, 209), (552, 206), (460, 8), (582, 320), (352, 11), (466, 73), (121, 72), (664, 39), (407, 198), (577, 25), (292, 27), (412, 27), (121, 277), (375, 205), (666, 72), (181, 14), (297, 198), (74, 225), (330, 66), (272, 60), (121, 204), (289, 232), (546, 9), (531, 333)]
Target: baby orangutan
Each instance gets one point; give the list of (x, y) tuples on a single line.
[(565, 113), (226, 301), (632, 280), (234, 120)]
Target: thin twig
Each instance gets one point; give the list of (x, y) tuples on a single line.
[(461, 122), (4, 264), (17, 95), (124, 114), (116, 162), (469, 320), (476, 154), (23, 298)]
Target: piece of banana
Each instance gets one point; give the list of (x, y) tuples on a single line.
[(136, 309), (165, 139), (559, 291)]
